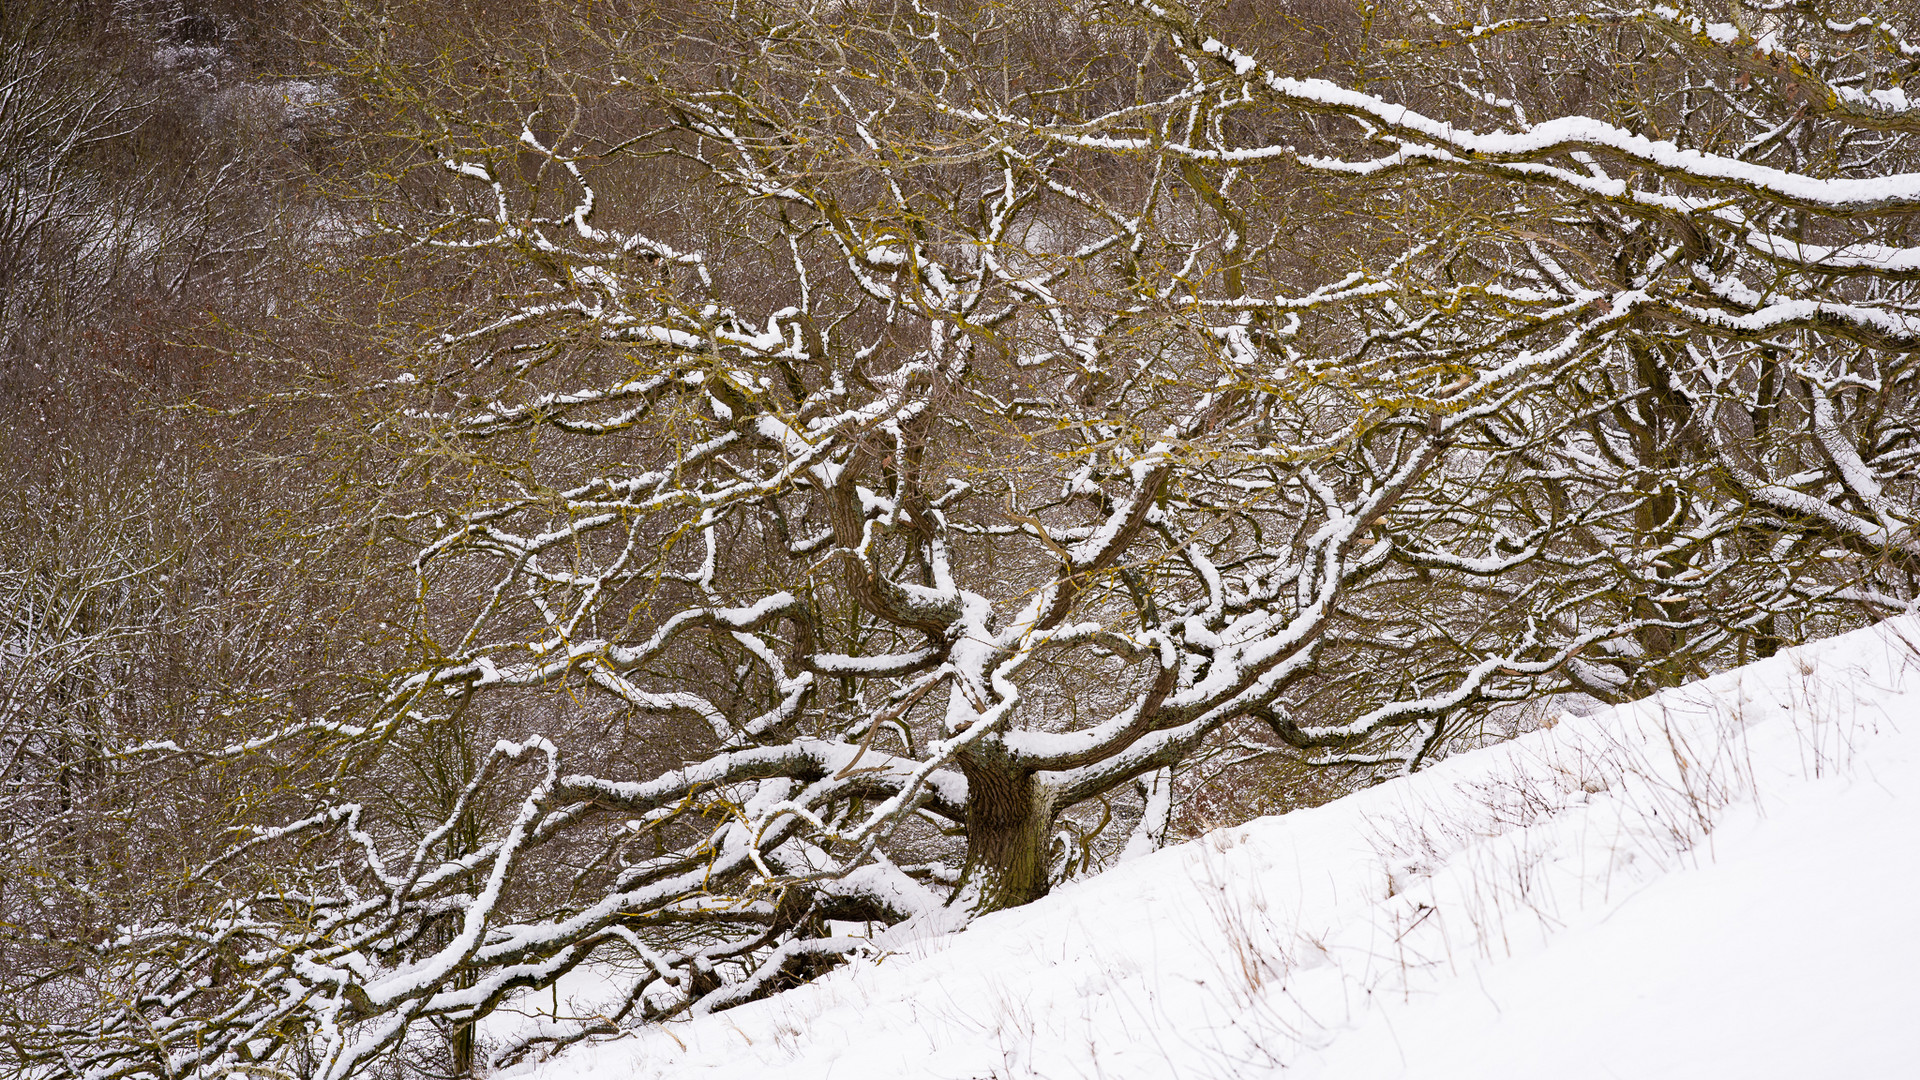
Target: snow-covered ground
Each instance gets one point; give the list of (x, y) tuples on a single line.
[(1717, 882)]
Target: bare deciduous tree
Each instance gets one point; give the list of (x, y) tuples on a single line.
[(883, 441)]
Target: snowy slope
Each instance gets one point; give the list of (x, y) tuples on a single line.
[(1715, 882)]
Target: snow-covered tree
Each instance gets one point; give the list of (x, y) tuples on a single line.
[(886, 436)]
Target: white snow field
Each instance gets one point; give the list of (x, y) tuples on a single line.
[(1716, 882)]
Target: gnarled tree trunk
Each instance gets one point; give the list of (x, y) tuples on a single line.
[(1009, 836)]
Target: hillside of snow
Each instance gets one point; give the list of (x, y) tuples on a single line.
[(1716, 882)]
